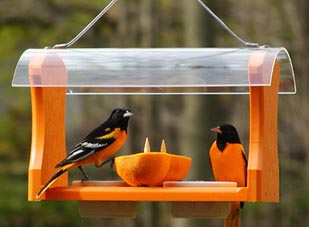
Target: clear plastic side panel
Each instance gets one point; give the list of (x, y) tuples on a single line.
[(153, 71), (287, 77)]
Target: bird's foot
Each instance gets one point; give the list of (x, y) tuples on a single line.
[(85, 178), (111, 160)]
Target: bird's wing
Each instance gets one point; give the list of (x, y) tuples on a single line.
[(244, 157), (210, 162), (246, 164), (87, 147)]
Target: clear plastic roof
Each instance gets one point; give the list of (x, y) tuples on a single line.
[(153, 70)]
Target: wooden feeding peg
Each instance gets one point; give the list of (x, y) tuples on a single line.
[(163, 147), (146, 146)]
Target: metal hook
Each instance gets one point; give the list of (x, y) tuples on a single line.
[(76, 38), (212, 14)]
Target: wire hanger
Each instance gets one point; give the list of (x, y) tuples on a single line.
[(79, 35), (211, 13)]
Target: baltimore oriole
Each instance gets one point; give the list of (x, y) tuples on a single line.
[(228, 162), (99, 144)]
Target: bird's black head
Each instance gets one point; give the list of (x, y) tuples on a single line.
[(120, 118), (226, 134)]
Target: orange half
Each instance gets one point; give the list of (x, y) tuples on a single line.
[(143, 169)]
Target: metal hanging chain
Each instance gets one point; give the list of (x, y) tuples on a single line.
[(212, 14)]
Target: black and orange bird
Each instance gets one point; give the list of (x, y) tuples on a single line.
[(229, 163), (99, 144)]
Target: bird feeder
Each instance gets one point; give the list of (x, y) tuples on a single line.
[(52, 74)]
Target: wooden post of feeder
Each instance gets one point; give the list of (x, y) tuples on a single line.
[(48, 120), (263, 164)]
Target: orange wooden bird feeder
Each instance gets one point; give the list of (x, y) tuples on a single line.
[(52, 74)]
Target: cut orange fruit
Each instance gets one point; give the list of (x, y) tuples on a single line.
[(179, 168), (152, 168)]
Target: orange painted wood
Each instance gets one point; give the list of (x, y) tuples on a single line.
[(48, 121), (263, 166), (109, 193)]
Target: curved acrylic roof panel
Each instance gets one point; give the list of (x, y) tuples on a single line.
[(153, 70)]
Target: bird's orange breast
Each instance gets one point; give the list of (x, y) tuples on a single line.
[(120, 138), (229, 164)]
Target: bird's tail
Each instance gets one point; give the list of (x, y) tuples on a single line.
[(233, 218), (51, 181)]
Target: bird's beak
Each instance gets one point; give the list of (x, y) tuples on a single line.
[(216, 130), (127, 114)]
